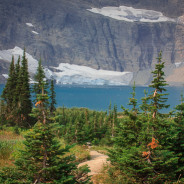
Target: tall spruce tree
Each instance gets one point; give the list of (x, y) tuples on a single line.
[(158, 98), (39, 77), (145, 106), (133, 100), (24, 102), (52, 97), (17, 89), (179, 138), (2, 113), (115, 120), (8, 91), (16, 96), (8, 95)]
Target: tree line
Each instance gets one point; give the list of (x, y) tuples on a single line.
[(84, 125)]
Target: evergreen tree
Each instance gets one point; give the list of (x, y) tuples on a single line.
[(8, 96), (39, 78), (109, 120), (9, 89), (17, 89), (145, 106), (139, 157), (115, 120), (179, 141), (24, 102), (133, 100), (158, 98), (18, 95), (52, 97), (2, 112)]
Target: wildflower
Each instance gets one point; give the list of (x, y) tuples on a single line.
[(38, 103)]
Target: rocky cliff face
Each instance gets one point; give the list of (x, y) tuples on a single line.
[(62, 31)]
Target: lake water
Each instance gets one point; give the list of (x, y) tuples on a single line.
[(99, 98)]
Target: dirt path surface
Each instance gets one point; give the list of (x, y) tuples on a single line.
[(96, 162)]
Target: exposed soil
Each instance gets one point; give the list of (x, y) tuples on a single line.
[(96, 162)]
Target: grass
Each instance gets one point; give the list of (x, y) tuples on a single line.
[(102, 178), (111, 175), (80, 153), (9, 144), (9, 135), (101, 149)]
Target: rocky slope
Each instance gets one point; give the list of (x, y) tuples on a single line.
[(62, 31)]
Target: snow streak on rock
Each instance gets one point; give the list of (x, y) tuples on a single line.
[(179, 64), (35, 32), (29, 24)]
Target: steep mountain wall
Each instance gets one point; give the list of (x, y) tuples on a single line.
[(63, 31)]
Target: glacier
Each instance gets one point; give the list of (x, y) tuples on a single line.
[(69, 73), (131, 14), (83, 75)]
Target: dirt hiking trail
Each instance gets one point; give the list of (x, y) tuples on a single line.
[(96, 162)]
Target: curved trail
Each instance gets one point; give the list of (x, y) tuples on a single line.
[(96, 162)]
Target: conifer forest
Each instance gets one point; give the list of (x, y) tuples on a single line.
[(41, 144)]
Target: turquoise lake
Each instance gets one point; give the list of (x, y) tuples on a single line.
[(99, 97)]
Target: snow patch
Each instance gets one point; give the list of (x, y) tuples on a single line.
[(29, 24), (178, 64), (131, 14), (35, 32), (16, 52), (75, 74), (31, 81), (5, 76)]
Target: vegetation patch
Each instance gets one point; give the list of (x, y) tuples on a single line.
[(80, 152), (9, 145)]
